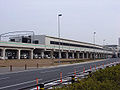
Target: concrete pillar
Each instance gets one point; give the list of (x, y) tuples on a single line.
[(19, 51), (83, 56), (102, 55), (73, 55), (3, 53), (96, 55), (60, 55), (42, 54), (51, 54), (99, 55), (87, 55), (66, 55), (78, 55), (91, 56), (31, 54)]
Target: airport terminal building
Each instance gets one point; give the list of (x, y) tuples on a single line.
[(43, 46)]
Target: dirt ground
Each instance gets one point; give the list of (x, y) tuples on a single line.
[(40, 62)]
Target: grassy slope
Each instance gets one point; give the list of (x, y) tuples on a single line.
[(106, 79)]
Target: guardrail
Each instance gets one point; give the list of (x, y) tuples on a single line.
[(70, 78)]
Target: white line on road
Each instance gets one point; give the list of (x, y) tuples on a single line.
[(51, 71), (78, 67), (19, 84), (4, 78)]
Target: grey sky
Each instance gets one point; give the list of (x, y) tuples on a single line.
[(80, 18)]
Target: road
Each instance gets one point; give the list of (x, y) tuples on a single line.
[(17, 80)]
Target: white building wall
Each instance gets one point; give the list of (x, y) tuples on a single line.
[(40, 38)]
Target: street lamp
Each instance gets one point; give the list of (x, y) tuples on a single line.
[(94, 43), (104, 48), (59, 15)]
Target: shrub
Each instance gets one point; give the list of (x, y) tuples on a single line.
[(105, 79)]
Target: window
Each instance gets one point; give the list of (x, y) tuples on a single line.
[(73, 45), (12, 40), (36, 42)]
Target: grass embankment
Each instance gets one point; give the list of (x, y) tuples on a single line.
[(40, 62), (106, 79)]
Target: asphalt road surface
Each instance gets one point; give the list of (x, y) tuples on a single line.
[(18, 80)]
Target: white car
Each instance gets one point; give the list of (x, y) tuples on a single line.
[(1, 58)]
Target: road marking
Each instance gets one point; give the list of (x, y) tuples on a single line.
[(78, 67), (50, 71), (4, 78), (19, 84)]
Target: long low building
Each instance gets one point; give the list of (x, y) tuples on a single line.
[(43, 46)]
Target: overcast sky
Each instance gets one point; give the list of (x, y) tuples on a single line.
[(80, 18)]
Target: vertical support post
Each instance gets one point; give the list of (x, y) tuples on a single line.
[(59, 54), (83, 55), (94, 55), (37, 65), (37, 82), (75, 72), (66, 55), (78, 55), (87, 55), (3, 53), (42, 54), (31, 54), (98, 56), (95, 66), (90, 55), (73, 55), (19, 53), (83, 69), (10, 68), (103, 55), (51, 54), (25, 66), (94, 43), (59, 15), (60, 77)]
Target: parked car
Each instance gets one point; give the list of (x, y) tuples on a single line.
[(1, 58)]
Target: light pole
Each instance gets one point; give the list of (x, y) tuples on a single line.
[(104, 48), (0, 37), (59, 15), (94, 43)]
